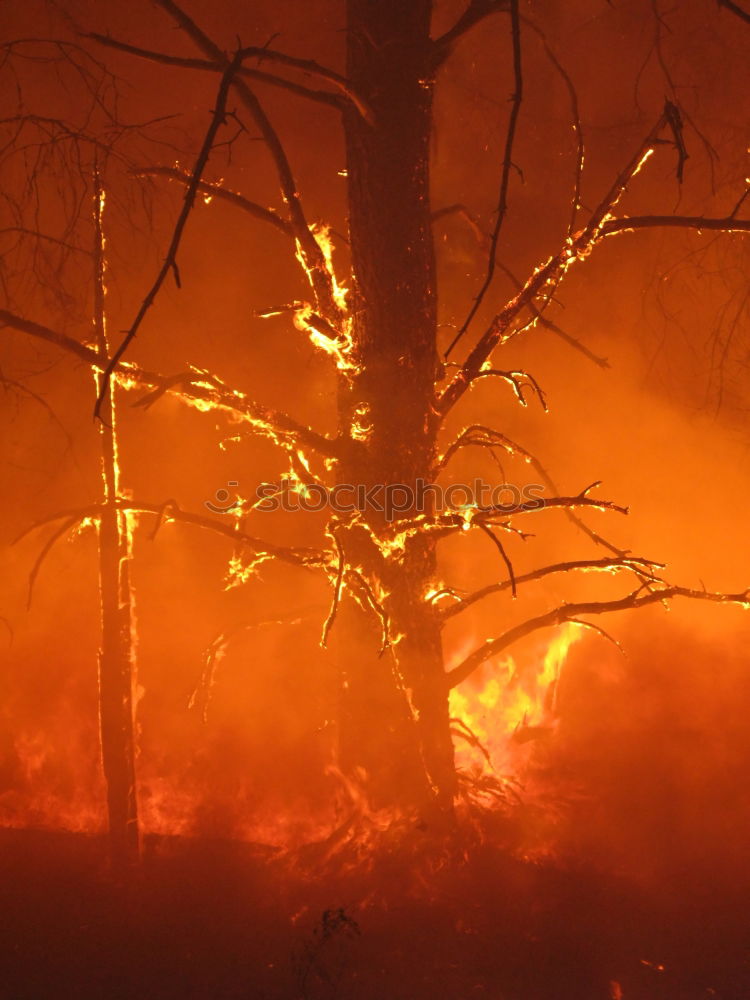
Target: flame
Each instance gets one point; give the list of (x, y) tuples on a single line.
[(510, 709)]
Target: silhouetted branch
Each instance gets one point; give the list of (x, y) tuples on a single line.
[(518, 380), (479, 435), (483, 240), (501, 549), (643, 569), (170, 261), (729, 224), (570, 612), (548, 274), (502, 204), (306, 66), (735, 9), (577, 127), (67, 524), (311, 256)]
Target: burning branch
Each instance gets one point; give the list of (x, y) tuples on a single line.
[(171, 511), (195, 387), (116, 667), (728, 224), (479, 435), (546, 277), (571, 612), (483, 239), (311, 254), (518, 380)]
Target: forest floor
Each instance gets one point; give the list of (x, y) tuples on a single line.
[(206, 920)]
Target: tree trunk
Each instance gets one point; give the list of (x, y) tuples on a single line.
[(396, 722), (115, 656)]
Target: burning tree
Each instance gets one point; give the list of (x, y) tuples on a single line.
[(399, 389)]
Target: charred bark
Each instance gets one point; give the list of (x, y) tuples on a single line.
[(396, 722)]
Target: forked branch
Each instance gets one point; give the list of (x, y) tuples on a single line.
[(309, 67)]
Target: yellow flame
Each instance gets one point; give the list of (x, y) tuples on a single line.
[(511, 708)]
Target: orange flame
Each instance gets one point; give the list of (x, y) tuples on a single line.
[(510, 709)]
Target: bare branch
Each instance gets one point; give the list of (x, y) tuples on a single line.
[(548, 274), (643, 569), (479, 435), (311, 255), (308, 66), (729, 224), (170, 261), (501, 549), (519, 380), (539, 317), (577, 127), (570, 612), (502, 204), (735, 9), (67, 524)]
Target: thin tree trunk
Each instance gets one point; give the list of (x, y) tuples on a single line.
[(115, 656), (395, 707)]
